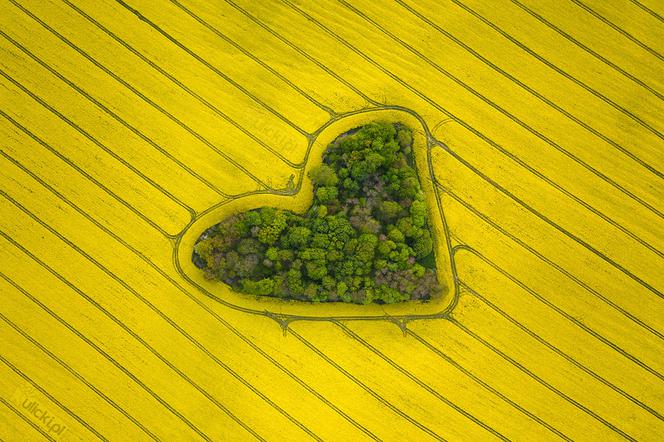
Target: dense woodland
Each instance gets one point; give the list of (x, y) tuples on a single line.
[(365, 238)]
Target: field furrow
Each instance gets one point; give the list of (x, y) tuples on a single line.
[(47, 148), (573, 23), (452, 100), (436, 415), (633, 20), (567, 249), (550, 288), (13, 422), (46, 338), (219, 104), (192, 339), (549, 369), (452, 382), (629, 373), (544, 59), (148, 118), (449, 341), (233, 23), (129, 127), (21, 390), (581, 129)]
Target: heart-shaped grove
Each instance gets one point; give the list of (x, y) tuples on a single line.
[(365, 238)]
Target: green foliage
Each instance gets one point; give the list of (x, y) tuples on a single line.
[(423, 245), (323, 175), (298, 237), (360, 242), (327, 194), (390, 210), (263, 287), (405, 138), (418, 213)]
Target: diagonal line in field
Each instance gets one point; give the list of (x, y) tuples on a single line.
[(26, 420), (80, 171), (618, 29), (200, 304), (648, 10), (113, 115), (542, 341), (540, 380), (485, 385), (418, 381), (561, 229), (66, 366), (183, 86), (438, 106), (141, 340), (495, 106), (150, 102), (532, 91), (365, 387), (173, 40), (562, 312), (565, 35), (549, 262), (41, 389)]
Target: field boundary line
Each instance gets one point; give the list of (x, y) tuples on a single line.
[(648, 10), (618, 29), (66, 366), (540, 380), (79, 170), (172, 117), (547, 344), (432, 102), (115, 116), (253, 57), (486, 385), (183, 86), (365, 387), (211, 312), (562, 230), (568, 37), (173, 40), (166, 318), (531, 90), (28, 421), (548, 261), (38, 387), (418, 381), (303, 53)]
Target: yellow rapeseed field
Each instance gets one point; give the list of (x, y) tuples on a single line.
[(130, 126)]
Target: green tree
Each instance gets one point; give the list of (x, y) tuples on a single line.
[(423, 245), (327, 194), (262, 287), (390, 210), (298, 237), (405, 139), (360, 241), (418, 213), (316, 270), (323, 175)]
